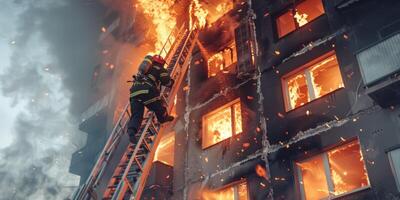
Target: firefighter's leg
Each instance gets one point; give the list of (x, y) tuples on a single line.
[(161, 112), (137, 110)]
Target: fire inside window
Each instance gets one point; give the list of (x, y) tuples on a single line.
[(165, 150), (222, 123), (334, 173), (316, 79), (234, 192), (299, 16), (221, 60)]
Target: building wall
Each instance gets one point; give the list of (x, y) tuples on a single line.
[(376, 128)]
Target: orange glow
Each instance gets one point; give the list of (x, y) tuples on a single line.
[(165, 150), (297, 89), (343, 167), (261, 171), (202, 13), (314, 179), (308, 10), (199, 14), (285, 24), (302, 14), (319, 77), (236, 192), (217, 10), (162, 17), (347, 168), (221, 124), (326, 76), (222, 60), (215, 64)]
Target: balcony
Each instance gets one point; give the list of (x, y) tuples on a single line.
[(380, 67)]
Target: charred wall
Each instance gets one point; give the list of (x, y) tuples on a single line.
[(354, 25)]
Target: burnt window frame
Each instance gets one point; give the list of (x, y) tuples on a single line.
[(287, 9), (310, 86), (324, 154), (234, 184), (232, 47), (229, 104)]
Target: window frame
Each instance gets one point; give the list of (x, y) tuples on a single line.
[(232, 47), (306, 69), (330, 184), (292, 8), (233, 121), (235, 186)]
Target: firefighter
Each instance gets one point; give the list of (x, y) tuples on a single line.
[(145, 92)]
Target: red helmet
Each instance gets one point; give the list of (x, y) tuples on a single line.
[(157, 59)]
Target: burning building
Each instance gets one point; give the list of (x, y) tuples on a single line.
[(279, 100)]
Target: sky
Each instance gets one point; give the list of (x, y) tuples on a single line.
[(47, 53)]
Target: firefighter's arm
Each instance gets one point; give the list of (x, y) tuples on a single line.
[(165, 79)]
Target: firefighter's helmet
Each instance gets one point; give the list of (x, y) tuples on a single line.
[(146, 64), (158, 60)]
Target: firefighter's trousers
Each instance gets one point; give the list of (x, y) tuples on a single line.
[(151, 101)]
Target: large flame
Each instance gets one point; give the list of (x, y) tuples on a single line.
[(162, 16), (197, 14), (202, 13)]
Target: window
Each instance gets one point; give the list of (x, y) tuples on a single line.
[(165, 149), (299, 16), (222, 123), (337, 172), (314, 80), (222, 60), (394, 158), (235, 192)]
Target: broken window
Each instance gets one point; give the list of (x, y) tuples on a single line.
[(298, 16), (222, 123), (336, 172), (316, 79), (165, 150), (234, 192), (221, 60)]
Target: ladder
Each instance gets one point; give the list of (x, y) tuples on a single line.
[(129, 178)]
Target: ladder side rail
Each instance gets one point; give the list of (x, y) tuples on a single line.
[(122, 186), (95, 169), (141, 181), (169, 52), (108, 156)]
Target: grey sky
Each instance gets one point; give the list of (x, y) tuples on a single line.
[(47, 52)]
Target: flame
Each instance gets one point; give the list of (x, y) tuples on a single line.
[(219, 124), (200, 14), (207, 13), (162, 17), (326, 76), (227, 193), (301, 18), (215, 64), (165, 150), (296, 96)]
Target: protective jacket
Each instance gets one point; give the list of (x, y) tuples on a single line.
[(145, 92)]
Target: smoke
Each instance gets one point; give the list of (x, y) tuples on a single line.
[(48, 75)]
